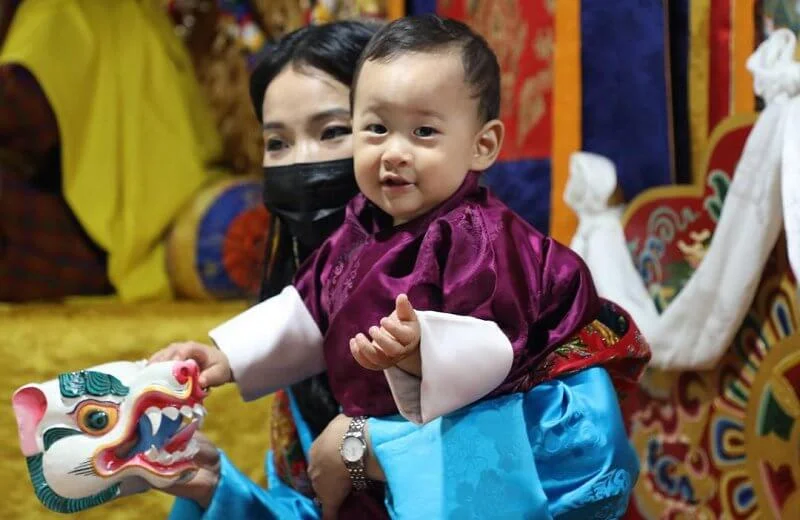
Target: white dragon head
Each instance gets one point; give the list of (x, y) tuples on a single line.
[(109, 431)]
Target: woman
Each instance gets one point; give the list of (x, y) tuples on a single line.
[(306, 144), (301, 94)]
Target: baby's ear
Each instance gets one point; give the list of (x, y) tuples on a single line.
[(488, 143)]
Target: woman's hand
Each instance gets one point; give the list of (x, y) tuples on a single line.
[(202, 486), (329, 476), (326, 469)]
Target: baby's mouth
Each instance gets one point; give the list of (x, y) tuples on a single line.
[(394, 181)]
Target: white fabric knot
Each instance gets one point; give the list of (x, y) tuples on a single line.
[(592, 181), (698, 326), (775, 72)]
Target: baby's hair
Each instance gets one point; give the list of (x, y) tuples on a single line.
[(430, 33)]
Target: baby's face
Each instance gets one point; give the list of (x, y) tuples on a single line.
[(415, 127)]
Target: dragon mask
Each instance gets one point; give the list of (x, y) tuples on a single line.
[(109, 431)]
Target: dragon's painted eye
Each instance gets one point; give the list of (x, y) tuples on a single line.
[(96, 418)]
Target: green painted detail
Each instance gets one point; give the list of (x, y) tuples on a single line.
[(56, 502), (88, 382), (774, 419), (718, 181), (55, 434)]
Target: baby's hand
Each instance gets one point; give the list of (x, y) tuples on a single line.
[(397, 338), (215, 369)]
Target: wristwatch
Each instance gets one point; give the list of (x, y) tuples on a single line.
[(354, 451)]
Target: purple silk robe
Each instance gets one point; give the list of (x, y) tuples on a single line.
[(471, 256)]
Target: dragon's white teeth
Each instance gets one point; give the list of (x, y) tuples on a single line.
[(199, 410), (190, 452), (152, 453), (165, 458), (171, 412), (186, 411), (154, 414)]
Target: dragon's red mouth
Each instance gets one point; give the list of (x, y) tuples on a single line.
[(160, 440)]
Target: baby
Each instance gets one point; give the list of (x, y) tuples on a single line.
[(491, 295)]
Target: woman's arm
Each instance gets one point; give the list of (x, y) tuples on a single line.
[(329, 476), (220, 491)]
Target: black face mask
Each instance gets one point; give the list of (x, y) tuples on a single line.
[(310, 198)]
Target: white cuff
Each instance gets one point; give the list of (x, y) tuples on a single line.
[(463, 360), (271, 345)]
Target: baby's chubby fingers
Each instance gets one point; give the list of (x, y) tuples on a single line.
[(393, 349), (403, 332), (367, 354), (179, 352)]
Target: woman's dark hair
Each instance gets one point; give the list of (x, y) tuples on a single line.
[(332, 48)]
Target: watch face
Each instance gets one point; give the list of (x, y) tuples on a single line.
[(352, 449)]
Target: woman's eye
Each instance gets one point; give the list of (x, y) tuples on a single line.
[(273, 145), (377, 129), (336, 131), (424, 131)]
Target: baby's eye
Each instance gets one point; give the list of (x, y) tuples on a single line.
[(274, 144), (424, 131), (376, 129), (335, 131)]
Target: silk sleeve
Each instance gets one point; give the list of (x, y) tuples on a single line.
[(509, 296)]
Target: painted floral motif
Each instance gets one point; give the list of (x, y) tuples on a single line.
[(722, 443), (290, 463), (243, 250)]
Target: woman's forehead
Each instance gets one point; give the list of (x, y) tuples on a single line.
[(299, 94)]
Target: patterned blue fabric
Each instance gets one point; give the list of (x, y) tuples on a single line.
[(525, 186), (237, 497), (624, 84), (560, 451)]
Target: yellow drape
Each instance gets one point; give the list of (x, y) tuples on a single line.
[(136, 135)]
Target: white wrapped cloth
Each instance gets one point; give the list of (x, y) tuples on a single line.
[(696, 329)]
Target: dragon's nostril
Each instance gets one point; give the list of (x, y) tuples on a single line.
[(184, 371)]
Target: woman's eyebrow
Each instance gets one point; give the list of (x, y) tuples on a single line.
[(273, 125), (331, 113), (316, 118)]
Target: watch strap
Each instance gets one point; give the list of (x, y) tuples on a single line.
[(357, 469)]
